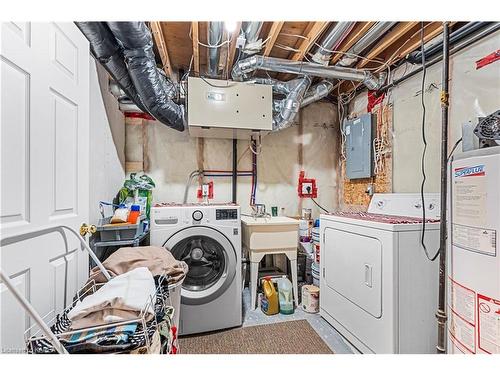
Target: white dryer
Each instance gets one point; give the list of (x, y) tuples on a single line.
[(208, 239), (377, 288)]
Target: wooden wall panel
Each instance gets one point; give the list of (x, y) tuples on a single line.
[(353, 195)]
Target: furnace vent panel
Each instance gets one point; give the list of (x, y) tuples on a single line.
[(220, 104)]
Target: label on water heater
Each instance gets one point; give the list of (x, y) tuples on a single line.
[(488, 329), (480, 240), (469, 196)]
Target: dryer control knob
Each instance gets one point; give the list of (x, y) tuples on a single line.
[(197, 215)]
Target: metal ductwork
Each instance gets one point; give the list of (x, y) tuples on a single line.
[(242, 69), (251, 30), (317, 92), (291, 104), (152, 87), (106, 50), (374, 34), (279, 87), (331, 42), (215, 32)]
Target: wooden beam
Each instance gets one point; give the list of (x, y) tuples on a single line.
[(273, 35), (311, 36), (355, 35), (196, 49), (232, 45), (162, 48), (399, 30)]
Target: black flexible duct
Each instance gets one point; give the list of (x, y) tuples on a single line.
[(106, 50), (153, 89)]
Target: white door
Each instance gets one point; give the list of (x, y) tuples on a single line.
[(44, 166), (353, 268)]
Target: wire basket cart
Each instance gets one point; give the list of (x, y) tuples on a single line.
[(144, 334)]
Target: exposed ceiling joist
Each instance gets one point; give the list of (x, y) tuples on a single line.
[(273, 35), (356, 34), (395, 34), (309, 41), (232, 45), (196, 48), (162, 49)]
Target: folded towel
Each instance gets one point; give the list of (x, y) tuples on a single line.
[(121, 298)]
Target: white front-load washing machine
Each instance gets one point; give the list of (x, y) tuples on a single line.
[(208, 239)]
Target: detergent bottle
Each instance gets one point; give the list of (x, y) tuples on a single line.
[(285, 296), (269, 302)]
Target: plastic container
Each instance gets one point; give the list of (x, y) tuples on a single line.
[(120, 215), (285, 296), (120, 232), (310, 298), (269, 303), (135, 212)]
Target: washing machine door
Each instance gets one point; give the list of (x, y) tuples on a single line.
[(211, 259)]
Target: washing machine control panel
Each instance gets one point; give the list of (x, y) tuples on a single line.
[(226, 214)]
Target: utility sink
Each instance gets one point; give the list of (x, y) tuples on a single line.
[(269, 233)]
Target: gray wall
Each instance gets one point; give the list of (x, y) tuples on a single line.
[(473, 93), (107, 142), (173, 156)]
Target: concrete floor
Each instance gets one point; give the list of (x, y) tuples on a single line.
[(331, 337)]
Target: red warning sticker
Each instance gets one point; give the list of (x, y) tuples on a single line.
[(462, 319), (488, 328), (462, 302)]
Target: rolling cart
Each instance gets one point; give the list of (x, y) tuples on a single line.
[(154, 335)]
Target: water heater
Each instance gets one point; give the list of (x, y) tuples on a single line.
[(473, 259)]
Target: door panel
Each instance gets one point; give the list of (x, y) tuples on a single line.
[(44, 167), (353, 265), (14, 208)]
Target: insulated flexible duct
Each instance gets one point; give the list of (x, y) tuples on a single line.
[(106, 50), (242, 68), (152, 87)]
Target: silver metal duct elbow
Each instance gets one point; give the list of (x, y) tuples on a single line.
[(331, 42), (317, 92), (373, 83), (291, 104), (371, 36), (215, 32), (243, 67)]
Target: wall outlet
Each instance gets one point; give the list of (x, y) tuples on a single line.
[(307, 187)]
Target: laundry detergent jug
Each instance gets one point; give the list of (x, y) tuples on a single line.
[(269, 302), (285, 296)]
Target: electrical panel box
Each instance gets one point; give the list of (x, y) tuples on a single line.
[(228, 109), (359, 134)]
